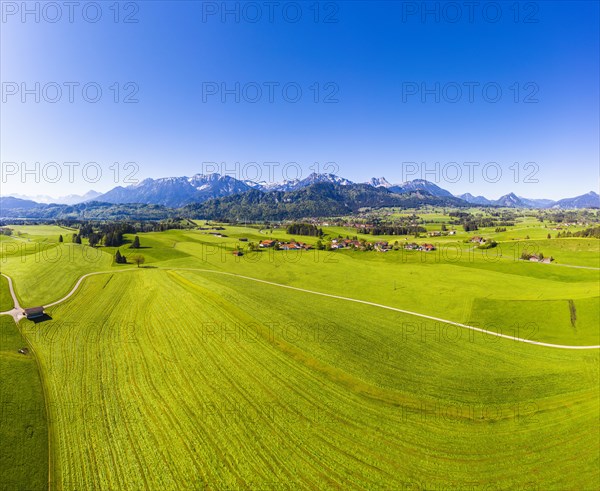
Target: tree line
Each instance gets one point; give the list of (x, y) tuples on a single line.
[(304, 229), (392, 230), (591, 232)]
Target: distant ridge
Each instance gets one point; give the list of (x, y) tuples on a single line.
[(476, 200), (176, 192), (70, 199), (10, 202), (588, 200), (421, 185)]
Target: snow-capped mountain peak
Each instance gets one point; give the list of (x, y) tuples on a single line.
[(379, 182)]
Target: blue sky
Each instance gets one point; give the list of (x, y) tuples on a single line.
[(361, 68)]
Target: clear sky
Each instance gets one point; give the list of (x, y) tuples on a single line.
[(379, 86)]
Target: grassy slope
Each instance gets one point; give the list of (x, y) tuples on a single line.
[(51, 232), (46, 271), (474, 288), (178, 380), (6, 301), (423, 282), (23, 430)]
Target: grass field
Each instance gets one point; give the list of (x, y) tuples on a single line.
[(23, 425), (6, 302), (247, 391), (167, 378), (445, 283), (44, 271)]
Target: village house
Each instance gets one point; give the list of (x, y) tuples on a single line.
[(427, 247), (289, 246), (294, 246), (382, 246), (344, 243), (544, 260), (266, 243)]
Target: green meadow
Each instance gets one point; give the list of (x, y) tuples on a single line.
[(247, 391), (6, 302), (189, 374), (44, 269), (23, 420)]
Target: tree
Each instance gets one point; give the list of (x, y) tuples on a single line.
[(549, 236), (444, 228), (60, 238), (94, 239), (113, 239), (136, 243), (76, 239), (138, 259), (119, 258)]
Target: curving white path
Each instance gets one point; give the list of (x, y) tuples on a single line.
[(312, 292)]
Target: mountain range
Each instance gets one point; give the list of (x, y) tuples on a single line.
[(315, 200), (70, 199), (177, 192)]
